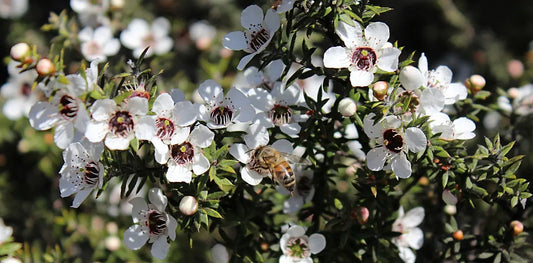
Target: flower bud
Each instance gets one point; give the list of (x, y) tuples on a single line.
[(475, 83), (450, 209), (45, 67), (188, 205), (458, 235), (515, 68), (360, 214), (380, 89), (347, 107), (20, 52), (517, 227)]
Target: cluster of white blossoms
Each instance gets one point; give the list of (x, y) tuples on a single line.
[(180, 130)]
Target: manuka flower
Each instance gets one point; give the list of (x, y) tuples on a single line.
[(91, 13), (185, 153), (221, 111), (18, 92), (65, 111), (117, 124), (411, 235), (364, 52), (392, 142), (461, 128), (98, 44), (82, 171), (297, 247), (152, 224), (266, 78), (139, 35), (257, 35)]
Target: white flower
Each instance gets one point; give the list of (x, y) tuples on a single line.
[(303, 192), (411, 235), (219, 254), (10, 260), (311, 86), (13, 9), (168, 123), (522, 100), (221, 111), (364, 52), (441, 79), (392, 144), (18, 92), (139, 35), (98, 44), (82, 172), (298, 247), (65, 111), (266, 78), (152, 224), (461, 128), (117, 124), (257, 35), (5, 231), (186, 153), (91, 13), (202, 33), (275, 108)]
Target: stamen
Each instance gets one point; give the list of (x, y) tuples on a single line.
[(364, 58), (182, 153), (121, 124), (157, 223), (280, 114), (91, 175), (259, 38), (221, 115), (165, 128), (68, 108)]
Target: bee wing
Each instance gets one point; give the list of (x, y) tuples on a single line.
[(295, 158)]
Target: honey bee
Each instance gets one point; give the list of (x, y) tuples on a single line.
[(267, 160)]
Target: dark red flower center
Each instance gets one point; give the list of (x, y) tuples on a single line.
[(364, 58)]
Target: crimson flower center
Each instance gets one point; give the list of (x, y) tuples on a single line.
[(182, 153), (393, 140), (165, 128), (258, 39), (364, 58), (221, 115), (121, 124), (68, 108), (92, 172), (25, 89), (157, 222), (280, 114)]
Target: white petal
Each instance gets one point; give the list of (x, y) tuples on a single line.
[(415, 139), (135, 237), (86, 34), (219, 254), (256, 136), (157, 198), (185, 113), (202, 136), (177, 95), (240, 152), (96, 131), (283, 145), (163, 103), (102, 109), (250, 176), (414, 237), (210, 91), (377, 34), (411, 78), (112, 47), (245, 60), (361, 78), (235, 41), (349, 34), (432, 100), (200, 164), (64, 134), (291, 129), (180, 135), (375, 158), (160, 247), (117, 143), (252, 17), (455, 92), (160, 27), (296, 231), (388, 60), (413, 217), (272, 21), (274, 69), (293, 204), (145, 128), (336, 57), (407, 255), (138, 105), (463, 128), (80, 197), (178, 173), (172, 224), (401, 166), (43, 116), (317, 242), (139, 205)]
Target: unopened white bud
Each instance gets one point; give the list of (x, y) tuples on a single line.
[(347, 107), (20, 51), (188, 205), (450, 209), (45, 67)]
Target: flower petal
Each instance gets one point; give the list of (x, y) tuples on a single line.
[(388, 60), (337, 57), (414, 237), (139, 205), (200, 164), (178, 173), (245, 60), (160, 247), (411, 78), (415, 139), (317, 242), (80, 197), (185, 113), (401, 166), (252, 17), (349, 34), (157, 198), (96, 131), (407, 255), (271, 21), (201, 136), (64, 134), (296, 231), (413, 217), (172, 224), (210, 91), (135, 237), (361, 78), (250, 177), (375, 158), (43, 116), (235, 41), (240, 152), (377, 34)]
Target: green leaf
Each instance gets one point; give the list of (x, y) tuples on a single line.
[(224, 184), (211, 212), (338, 204), (444, 179), (9, 248), (468, 183), (514, 201)]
